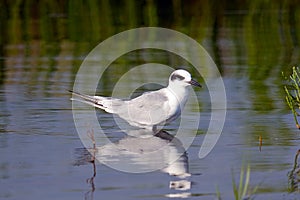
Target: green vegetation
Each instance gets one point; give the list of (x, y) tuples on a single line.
[(292, 90), (241, 190)]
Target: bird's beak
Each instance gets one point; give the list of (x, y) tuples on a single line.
[(195, 83)]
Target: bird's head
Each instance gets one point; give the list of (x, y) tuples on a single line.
[(182, 77)]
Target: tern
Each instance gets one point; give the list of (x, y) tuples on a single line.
[(151, 108)]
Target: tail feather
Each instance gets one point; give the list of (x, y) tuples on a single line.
[(88, 98), (108, 104)]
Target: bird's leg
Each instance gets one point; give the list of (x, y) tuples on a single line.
[(155, 130)]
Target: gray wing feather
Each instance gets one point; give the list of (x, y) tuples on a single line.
[(147, 109)]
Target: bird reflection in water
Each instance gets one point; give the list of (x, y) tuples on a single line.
[(142, 154)]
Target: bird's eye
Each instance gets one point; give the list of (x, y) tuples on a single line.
[(177, 77)]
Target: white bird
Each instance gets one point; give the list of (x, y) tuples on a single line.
[(151, 108)]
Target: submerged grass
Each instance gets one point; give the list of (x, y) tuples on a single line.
[(294, 175), (241, 190)]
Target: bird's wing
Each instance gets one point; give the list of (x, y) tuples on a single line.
[(151, 108)]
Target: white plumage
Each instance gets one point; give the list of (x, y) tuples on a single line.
[(151, 108)]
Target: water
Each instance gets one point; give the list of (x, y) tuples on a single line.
[(42, 47)]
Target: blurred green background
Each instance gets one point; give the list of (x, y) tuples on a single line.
[(257, 39), (265, 31)]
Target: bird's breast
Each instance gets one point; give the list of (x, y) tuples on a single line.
[(177, 102)]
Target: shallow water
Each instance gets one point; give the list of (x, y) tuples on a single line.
[(42, 156)]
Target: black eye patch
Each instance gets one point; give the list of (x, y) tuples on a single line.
[(176, 76)]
